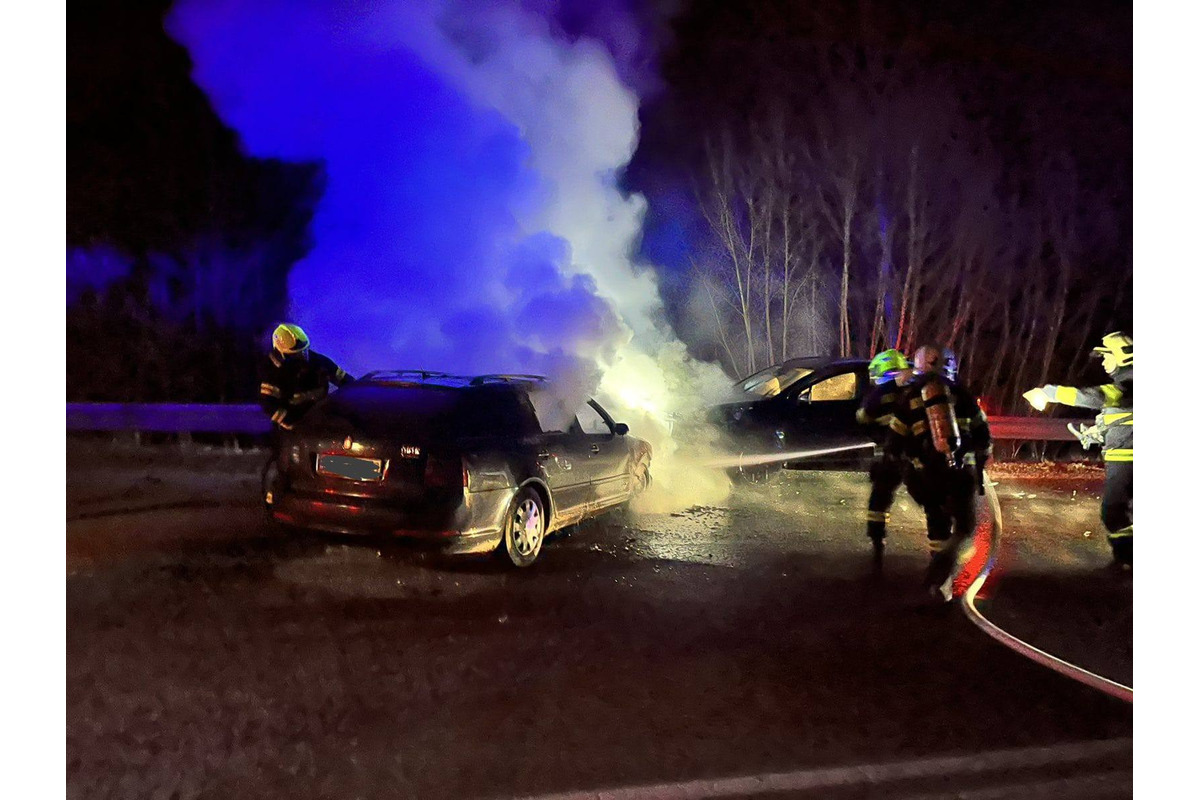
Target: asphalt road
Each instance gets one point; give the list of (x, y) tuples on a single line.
[(211, 656)]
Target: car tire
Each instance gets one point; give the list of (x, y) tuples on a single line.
[(640, 482), (524, 528), (641, 478)]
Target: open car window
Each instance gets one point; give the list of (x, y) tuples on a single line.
[(553, 413), (588, 421), (843, 386)]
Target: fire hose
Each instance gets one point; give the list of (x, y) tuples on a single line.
[(1076, 673)]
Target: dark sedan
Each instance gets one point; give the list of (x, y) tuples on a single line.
[(798, 414), (459, 460)]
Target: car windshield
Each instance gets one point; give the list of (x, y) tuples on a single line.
[(772, 380)]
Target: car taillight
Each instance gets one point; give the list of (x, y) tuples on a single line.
[(445, 472)]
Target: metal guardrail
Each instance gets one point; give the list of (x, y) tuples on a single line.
[(1035, 429), (249, 419), (167, 418)]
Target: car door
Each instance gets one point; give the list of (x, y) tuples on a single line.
[(820, 416), (607, 454), (562, 457), (610, 456), (565, 462)]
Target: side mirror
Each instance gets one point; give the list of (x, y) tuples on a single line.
[(620, 429)]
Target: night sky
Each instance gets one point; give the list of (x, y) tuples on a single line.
[(144, 143)]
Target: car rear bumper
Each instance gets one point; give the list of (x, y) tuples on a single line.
[(475, 525)]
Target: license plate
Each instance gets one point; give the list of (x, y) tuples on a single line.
[(355, 469)]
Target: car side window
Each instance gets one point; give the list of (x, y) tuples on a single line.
[(497, 411), (553, 414), (588, 421), (527, 418), (836, 387)]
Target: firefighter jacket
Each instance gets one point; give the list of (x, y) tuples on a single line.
[(878, 412), (291, 386), (974, 444), (1115, 402)]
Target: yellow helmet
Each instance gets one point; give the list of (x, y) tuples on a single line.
[(1116, 349), (289, 339), (885, 365)]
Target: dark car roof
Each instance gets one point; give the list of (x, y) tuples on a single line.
[(422, 377)]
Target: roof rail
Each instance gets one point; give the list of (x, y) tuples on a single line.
[(445, 378), (413, 375), (481, 380)]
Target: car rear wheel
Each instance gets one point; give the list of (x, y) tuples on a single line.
[(524, 528)]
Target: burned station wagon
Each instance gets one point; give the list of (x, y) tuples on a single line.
[(460, 460)]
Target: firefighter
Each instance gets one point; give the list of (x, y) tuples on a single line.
[(888, 370), (1115, 423), (947, 443), (972, 421), (295, 377)]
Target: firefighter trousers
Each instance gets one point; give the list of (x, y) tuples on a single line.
[(947, 495), (886, 476), (1116, 508), (270, 470)]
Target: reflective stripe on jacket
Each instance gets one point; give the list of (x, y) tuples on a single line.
[(291, 386), (1115, 403)]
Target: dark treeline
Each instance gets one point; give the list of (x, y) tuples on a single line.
[(195, 239), (840, 177)]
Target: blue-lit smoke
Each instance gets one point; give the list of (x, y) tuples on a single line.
[(427, 252), (471, 219)]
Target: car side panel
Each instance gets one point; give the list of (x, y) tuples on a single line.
[(564, 463), (610, 457)]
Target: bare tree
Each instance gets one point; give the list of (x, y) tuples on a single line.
[(767, 237), (891, 173)]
